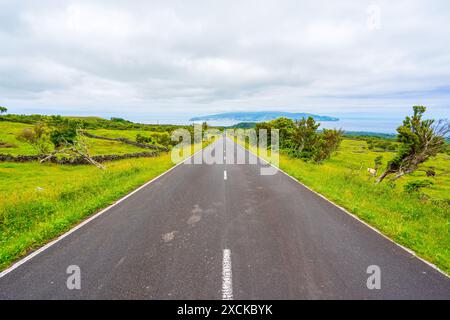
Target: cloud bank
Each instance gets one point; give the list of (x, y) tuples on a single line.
[(200, 57)]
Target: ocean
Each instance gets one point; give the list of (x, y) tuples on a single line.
[(347, 124)]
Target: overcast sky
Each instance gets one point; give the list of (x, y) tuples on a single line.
[(135, 58)]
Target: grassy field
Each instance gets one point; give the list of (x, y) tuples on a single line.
[(419, 223), (129, 134), (8, 134), (9, 131), (41, 201)]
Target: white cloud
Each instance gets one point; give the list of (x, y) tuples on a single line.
[(204, 56)]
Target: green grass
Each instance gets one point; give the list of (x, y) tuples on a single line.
[(417, 223), (29, 217), (128, 134), (41, 201), (102, 147), (9, 131)]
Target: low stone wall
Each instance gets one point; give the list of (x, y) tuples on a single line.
[(126, 141), (77, 160), (11, 158)]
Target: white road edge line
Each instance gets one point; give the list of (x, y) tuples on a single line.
[(225, 175), (227, 278), (80, 225), (350, 214)]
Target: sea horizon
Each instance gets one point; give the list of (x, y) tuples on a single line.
[(352, 124)]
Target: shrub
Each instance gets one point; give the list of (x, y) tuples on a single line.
[(36, 137), (64, 132), (142, 139), (416, 185), (161, 138), (377, 162)]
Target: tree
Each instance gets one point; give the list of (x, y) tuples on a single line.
[(3, 110), (285, 129), (264, 126), (326, 143), (419, 140), (301, 138), (305, 137), (63, 133), (36, 137), (309, 144), (68, 141)]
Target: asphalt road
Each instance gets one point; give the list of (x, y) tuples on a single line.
[(224, 231)]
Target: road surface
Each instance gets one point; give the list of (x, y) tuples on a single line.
[(224, 231)]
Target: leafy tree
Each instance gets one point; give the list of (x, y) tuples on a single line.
[(419, 140), (68, 142), (264, 126), (3, 110), (305, 138), (326, 143), (64, 132), (286, 128), (301, 139), (36, 137)]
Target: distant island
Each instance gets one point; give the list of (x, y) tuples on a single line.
[(251, 125), (261, 116)]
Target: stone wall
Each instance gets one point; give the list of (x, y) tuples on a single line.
[(77, 160), (126, 141)]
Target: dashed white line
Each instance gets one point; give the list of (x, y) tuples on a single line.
[(227, 279), (349, 213), (225, 175)]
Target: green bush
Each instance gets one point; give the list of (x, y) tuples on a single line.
[(156, 138), (64, 132), (416, 185), (301, 138)]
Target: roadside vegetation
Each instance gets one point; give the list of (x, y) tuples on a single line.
[(40, 201), (301, 138), (412, 206)]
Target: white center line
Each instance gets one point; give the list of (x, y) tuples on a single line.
[(227, 281), (225, 175)]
